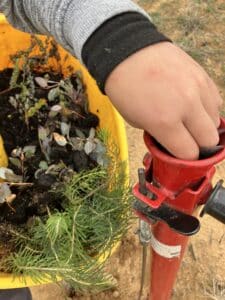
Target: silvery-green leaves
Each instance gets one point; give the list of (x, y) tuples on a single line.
[(54, 169), (77, 143), (59, 170), (42, 133), (42, 82), (55, 110), (17, 153), (95, 148), (90, 142), (13, 101), (43, 165), (80, 134), (89, 146), (16, 162), (61, 90), (54, 94), (29, 151), (44, 139), (8, 175), (5, 192), (65, 129), (61, 104), (4, 172), (99, 154), (67, 88)]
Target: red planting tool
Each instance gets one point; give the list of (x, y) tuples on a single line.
[(167, 194)]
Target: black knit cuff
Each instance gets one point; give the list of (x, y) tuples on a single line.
[(115, 40)]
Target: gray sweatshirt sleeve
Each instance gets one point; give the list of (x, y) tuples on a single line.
[(70, 22)]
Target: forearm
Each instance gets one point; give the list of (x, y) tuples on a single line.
[(101, 33), (70, 22)]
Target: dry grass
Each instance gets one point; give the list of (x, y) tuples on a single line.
[(198, 27), (215, 289)]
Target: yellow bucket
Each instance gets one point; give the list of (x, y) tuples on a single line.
[(11, 41)]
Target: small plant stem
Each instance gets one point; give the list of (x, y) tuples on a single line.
[(46, 269), (44, 152), (95, 190), (22, 164), (50, 240), (10, 206), (51, 87), (55, 270), (73, 234), (20, 235), (77, 114), (33, 250), (19, 183), (6, 91)]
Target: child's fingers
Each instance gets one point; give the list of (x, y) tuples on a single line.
[(212, 101), (178, 141), (201, 127)]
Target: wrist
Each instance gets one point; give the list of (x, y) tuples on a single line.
[(145, 63), (116, 40)]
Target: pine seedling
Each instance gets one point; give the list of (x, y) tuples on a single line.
[(74, 244)]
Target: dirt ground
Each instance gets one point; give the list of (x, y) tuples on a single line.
[(198, 26)]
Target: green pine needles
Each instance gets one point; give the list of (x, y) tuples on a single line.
[(74, 244)]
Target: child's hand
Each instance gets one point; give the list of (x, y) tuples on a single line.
[(164, 91)]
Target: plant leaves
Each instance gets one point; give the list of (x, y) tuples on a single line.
[(8, 174), (16, 152), (80, 134), (53, 114), (57, 221), (5, 192), (100, 147), (43, 165), (13, 102), (77, 143), (55, 168), (60, 139), (3, 172), (34, 109), (42, 133), (29, 151), (42, 82), (67, 86), (38, 173), (89, 146), (102, 160), (15, 161), (92, 133), (56, 108), (65, 129), (53, 94), (46, 149), (11, 177)]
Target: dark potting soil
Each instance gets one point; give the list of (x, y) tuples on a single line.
[(36, 199)]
